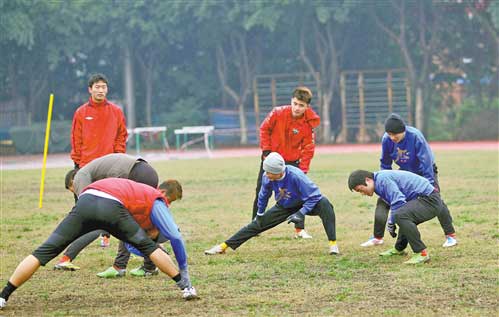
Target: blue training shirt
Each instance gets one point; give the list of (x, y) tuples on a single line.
[(163, 220), (398, 187), (295, 189), (412, 154)]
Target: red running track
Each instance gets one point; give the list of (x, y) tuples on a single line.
[(63, 159)]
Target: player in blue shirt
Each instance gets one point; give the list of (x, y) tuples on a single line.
[(412, 200), (296, 196), (407, 147)]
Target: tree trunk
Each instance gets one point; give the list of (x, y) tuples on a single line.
[(242, 123), (419, 112), (128, 85), (326, 122), (149, 89)]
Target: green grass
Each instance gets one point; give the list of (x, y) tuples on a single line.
[(271, 275)]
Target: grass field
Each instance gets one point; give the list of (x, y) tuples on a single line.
[(270, 275)]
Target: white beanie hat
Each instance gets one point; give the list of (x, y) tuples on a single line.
[(274, 163)]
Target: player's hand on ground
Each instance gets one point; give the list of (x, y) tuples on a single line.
[(189, 293)]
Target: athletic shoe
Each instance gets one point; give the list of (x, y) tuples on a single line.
[(302, 234), (104, 241), (111, 272), (215, 250), (189, 293), (333, 249), (372, 242), (3, 303), (142, 272), (392, 252), (418, 258), (449, 242), (66, 266)]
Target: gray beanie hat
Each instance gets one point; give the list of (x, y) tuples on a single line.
[(274, 163)]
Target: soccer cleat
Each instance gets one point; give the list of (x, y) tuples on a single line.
[(142, 272), (215, 250), (302, 234), (111, 272), (66, 266), (418, 258), (104, 241), (372, 242), (3, 303), (333, 249), (392, 252), (449, 242), (189, 293)]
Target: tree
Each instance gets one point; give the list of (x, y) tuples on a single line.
[(415, 31)]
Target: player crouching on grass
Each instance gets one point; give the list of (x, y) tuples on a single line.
[(412, 199), (172, 190), (125, 209), (296, 196), (407, 147)]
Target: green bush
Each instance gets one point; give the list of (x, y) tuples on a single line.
[(31, 140), (467, 122)]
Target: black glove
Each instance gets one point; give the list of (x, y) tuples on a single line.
[(265, 154), (258, 220), (392, 228), (297, 217)]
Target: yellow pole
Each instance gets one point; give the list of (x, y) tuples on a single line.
[(46, 148)]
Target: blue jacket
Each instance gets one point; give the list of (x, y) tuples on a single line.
[(163, 220), (412, 154), (396, 188), (294, 190)]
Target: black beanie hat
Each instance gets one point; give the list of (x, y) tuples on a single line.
[(394, 124)]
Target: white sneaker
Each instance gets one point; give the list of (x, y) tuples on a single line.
[(303, 234), (333, 249), (215, 250), (3, 303), (449, 242), (372, 242), (189, 293)]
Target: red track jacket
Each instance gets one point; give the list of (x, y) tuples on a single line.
[(98, 129), (292, 138)]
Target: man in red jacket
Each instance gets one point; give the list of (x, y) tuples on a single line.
[(288, 130), (126, 209), (99, 126)]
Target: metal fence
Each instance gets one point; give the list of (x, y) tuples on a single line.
[(367, 97)]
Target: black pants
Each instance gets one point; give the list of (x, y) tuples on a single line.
[(92, 213), (278, 214), (412, 214), (141, 172), (300, 225), (382, 210)]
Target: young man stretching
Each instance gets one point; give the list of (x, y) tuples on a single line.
[(127, 210), (296, 196), (412, 199), (407, 147), (289, 131)]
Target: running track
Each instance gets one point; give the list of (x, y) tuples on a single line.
[(63, 159)]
